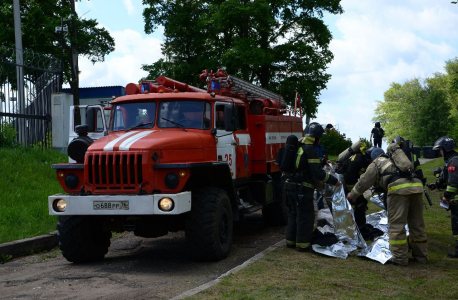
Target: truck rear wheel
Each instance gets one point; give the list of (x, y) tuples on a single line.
[(209, 225), (276, 213), (82, 238)]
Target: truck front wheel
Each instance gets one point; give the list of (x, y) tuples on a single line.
[(209, 225), (82, 238)]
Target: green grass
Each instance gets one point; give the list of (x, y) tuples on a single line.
[(287, 274), (26, 181)]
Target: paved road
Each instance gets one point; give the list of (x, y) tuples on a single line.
[(424, 160), (134, 268)]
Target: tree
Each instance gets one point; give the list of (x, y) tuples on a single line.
[(39, 19), (417, 110), (334, 142), (399, 110), (433, 120), (279, 45)]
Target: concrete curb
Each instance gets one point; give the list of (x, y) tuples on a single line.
[(26, 246), (209, 284)]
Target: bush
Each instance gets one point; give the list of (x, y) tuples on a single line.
[(334, 142), (368, 143), (7, 134)]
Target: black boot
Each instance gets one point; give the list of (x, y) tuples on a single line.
[(454, 255)]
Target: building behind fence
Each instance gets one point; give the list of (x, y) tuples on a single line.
[(25, 101)]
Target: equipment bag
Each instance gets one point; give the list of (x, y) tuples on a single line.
[(342, 159), (286, 156)]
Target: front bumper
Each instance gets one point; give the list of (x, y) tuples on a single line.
[(136, 204)]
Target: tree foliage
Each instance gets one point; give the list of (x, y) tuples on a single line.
[(39, 18), (334, 142), (279, 45), (421, 110)]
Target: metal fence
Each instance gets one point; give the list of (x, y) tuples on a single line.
[(25, 95)]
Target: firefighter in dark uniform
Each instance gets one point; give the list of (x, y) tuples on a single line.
[(449, 180), (404, 205), (378, 133), (357, 165), (300, 188)]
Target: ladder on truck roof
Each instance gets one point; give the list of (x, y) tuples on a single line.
[(233, 85), (241, 86)]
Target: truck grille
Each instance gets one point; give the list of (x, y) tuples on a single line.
[(115, 171)]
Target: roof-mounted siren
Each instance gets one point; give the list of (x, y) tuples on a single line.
[(214, 80), (146, 87)]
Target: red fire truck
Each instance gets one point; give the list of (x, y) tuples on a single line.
[(174, 157)]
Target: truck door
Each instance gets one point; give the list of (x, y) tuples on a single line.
[(100, 128), (233, 147), (225, 147)]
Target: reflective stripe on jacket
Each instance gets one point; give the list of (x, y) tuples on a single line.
[(309, 164), (373, 177)]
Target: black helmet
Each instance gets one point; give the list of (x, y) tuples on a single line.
[(398, 140), (377, 124), (368, 152), (447, 143), (314, 129)]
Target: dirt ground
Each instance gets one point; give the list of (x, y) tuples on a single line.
[(134, 268)]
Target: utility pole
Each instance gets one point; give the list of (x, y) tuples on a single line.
[(74, 65), (19, 72), (74, 58)]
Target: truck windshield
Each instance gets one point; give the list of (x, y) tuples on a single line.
[(188, 114), (136, 115)]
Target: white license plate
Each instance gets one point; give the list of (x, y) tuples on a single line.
[(111, 205)]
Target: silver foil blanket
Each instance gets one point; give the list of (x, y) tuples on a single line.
[(342, 223), (379, 250)]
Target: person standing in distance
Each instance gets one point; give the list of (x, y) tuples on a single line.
[(378, 133), (300, 188)]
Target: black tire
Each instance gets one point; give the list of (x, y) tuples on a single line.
[(276, 213), (209, 225), (82, 238)]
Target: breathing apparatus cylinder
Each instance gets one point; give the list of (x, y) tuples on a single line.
[(347, 153)]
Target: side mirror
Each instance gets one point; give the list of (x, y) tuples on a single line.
[(230, 117), (91, 119)]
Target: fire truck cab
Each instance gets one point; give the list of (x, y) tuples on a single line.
[(174, 157)]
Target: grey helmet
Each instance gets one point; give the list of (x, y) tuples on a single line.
[(447, 143), (398, 140), (314, 129), (368, 152), (376, 153)]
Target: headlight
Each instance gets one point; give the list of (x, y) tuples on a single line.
[(71, 181), (171, 180), (59, 205), (166, 204)]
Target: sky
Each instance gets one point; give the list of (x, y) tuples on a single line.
[(375, 43)]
